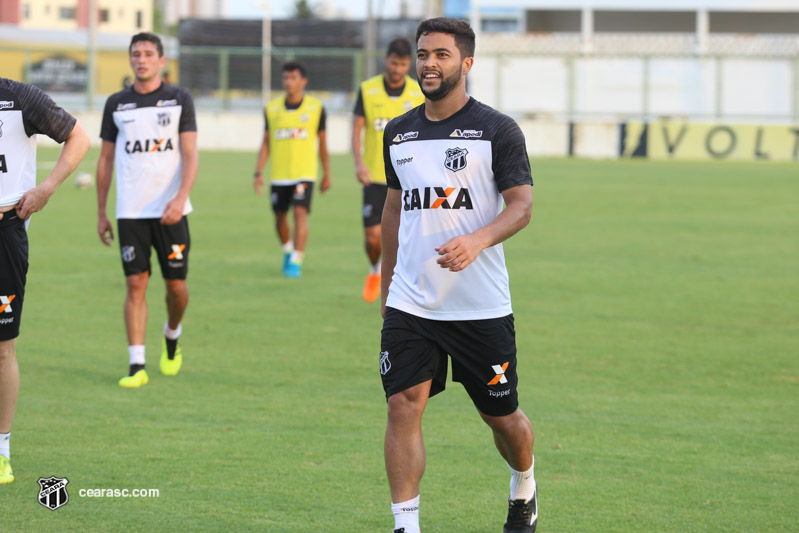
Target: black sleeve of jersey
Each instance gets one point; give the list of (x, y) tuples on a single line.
[(359, 105), (188, 120), (40, 114), (108, 130), (266, 121), (322, 120), (391, 176), (511, 164)]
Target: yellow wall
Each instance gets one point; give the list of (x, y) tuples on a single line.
[(112, 66), (687, 140)]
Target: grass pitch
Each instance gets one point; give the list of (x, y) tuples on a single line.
[(658, 334)]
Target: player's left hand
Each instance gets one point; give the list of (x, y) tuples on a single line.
[(459, 252), (325, 183), (33, 201), (173, 212)]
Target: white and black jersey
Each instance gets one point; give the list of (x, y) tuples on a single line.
[(451, 174), (25, 110), (146, 129)]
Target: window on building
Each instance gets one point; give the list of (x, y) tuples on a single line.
[(546, 20), (754, 22), (66, 13), (103, 15), (26, 11), (645, 21), (500, 25), (139, 19)]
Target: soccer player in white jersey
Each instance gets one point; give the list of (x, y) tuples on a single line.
[(150, 130), (450, 165), (24, 111)]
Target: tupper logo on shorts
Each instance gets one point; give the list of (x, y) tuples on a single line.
[(385, 364), (500, 374), (53, 492), (5, 303), (128, 253)]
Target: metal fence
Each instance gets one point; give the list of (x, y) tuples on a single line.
[(596, 86)]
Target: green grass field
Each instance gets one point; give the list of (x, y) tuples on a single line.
[(657, 308)]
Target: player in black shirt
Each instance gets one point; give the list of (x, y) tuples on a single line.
[(450, 165), (24, 111)]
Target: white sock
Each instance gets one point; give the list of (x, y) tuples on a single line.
[(522, 484), (288, 247), (297, 256), (406, 514), (172, 334), (375, 269), (5, 444), (136, 352)]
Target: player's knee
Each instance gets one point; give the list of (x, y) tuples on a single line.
[(511, 423), (7, 350), (137, 284), (177, 287), (405, 404)]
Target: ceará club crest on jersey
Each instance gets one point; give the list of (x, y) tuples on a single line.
[(455, 158)]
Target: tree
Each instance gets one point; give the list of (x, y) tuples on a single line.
[(303, 9)]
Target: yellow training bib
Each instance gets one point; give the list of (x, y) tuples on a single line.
[(379, 108), (293, 140)]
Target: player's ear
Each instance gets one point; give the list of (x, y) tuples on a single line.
[(467, 65)]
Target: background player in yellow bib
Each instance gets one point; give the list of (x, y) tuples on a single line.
[(380, 99), (294, 135)]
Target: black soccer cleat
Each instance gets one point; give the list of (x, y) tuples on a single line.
[(522, 517), (400, 530)]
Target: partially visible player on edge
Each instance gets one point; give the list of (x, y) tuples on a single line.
[(450, 165), (294, 136), (151, 132), (380, 99), (24, 111)]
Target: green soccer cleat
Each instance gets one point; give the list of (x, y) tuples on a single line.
[(6, 475), (170, 367), (136, 380)]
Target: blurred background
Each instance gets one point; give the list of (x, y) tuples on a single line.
[(714, 79)]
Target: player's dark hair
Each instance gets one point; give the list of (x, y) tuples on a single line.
[(290, 66), (399, 47), (150, 38), (459, 29)]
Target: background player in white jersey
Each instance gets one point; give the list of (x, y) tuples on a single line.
[(450, 165), (380, 99), (151, 132), (24, 111)]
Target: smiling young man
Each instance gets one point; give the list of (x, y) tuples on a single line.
[(450, 165), (150, 130), (294, 136), (380, 99)]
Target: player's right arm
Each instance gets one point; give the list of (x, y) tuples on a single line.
[(263, 155), (105, 167), (361, 170), (390, 235), (358, 123)]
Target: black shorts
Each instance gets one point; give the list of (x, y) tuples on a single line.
[(13, 273), (298, 195), (374, 198), (171, 243), (414, 350)]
